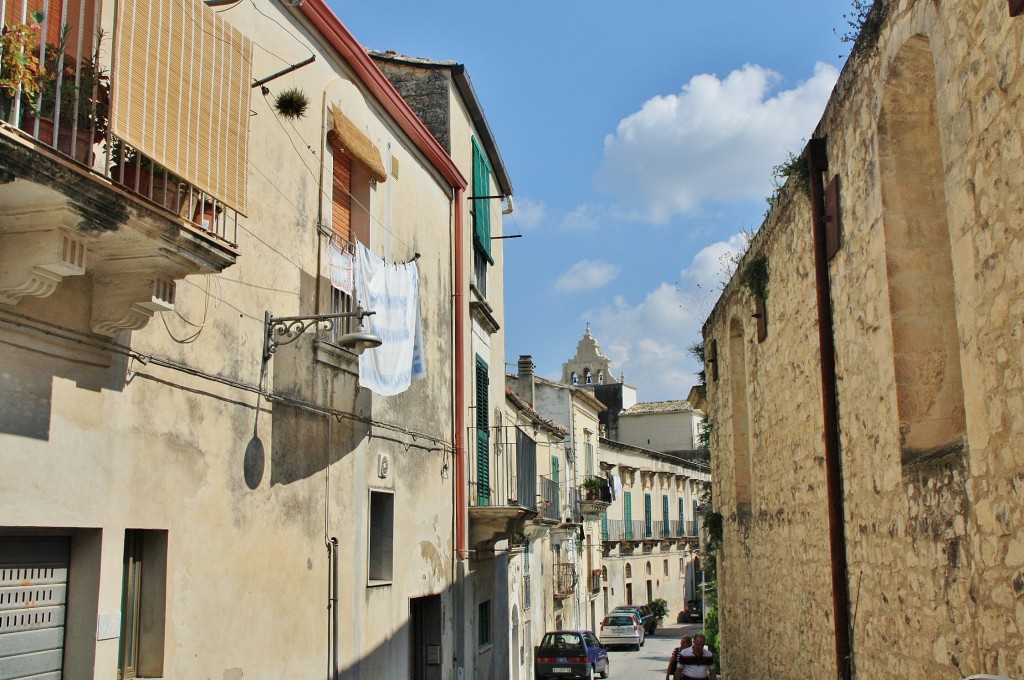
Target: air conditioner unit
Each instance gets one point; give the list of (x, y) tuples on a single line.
[(383, 465)]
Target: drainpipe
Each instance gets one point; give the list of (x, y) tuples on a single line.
[(461, 545), (817, 160), (333, 551)]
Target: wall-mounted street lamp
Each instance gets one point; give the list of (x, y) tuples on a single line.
[(284, 330)]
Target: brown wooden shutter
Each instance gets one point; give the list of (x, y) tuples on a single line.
[(712, 359), (341, 213), (833, 224), (180, 92), (761, 313)]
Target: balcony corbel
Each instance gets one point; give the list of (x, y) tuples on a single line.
[(35, 262)]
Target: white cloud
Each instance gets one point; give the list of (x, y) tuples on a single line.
[(587, 275), (648, 342), (582, 218), (528, 214), (715, 140), (715, 263)]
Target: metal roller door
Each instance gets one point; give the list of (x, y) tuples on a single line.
[(33, 592)]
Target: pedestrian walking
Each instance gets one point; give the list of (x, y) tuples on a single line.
[(693, 661)]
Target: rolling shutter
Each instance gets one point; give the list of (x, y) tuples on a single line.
[(33, 593), (341, 211), (180, 92)]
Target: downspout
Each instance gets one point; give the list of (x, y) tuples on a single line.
[(461, 546), (817, 160), (334, 608)]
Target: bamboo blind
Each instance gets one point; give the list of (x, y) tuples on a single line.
[(180, 92), (346, 136)]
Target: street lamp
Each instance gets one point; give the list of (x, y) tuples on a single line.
[(284, 330)]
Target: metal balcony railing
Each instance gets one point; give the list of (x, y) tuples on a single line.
[(596, 489), (566, 578), (507, 476), (550, 499)]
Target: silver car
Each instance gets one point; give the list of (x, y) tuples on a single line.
[(622, 628)]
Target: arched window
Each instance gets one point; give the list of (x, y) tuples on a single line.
[(629, 570), (647, 568), (600, 377), (919, 263), (740, 423), (586, 376), (604, 573), (575, 378)]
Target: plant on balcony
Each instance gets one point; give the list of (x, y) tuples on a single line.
[(594, 486), (84, 89), (19, 62)]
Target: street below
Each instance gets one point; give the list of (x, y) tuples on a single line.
[(652, 659)]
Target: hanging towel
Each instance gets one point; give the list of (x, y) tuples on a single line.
[(392, 291), (342, 266), (616, 486)]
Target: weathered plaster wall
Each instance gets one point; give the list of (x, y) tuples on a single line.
[(935, 562)]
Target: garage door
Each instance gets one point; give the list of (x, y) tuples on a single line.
[(33, 592)]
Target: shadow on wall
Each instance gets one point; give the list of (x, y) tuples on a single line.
[(305, 443), (28, 379)]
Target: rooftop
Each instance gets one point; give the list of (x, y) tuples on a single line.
[(674, 406)]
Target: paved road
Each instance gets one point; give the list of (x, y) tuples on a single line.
[(652, 659)]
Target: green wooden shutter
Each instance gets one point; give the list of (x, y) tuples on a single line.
[(647, 516), (481, 206), (483, 467), (604, 525), (682, 517), (554, 470), (664, 515), (627, 503)]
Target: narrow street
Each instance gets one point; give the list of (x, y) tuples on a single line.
[(652, 659)]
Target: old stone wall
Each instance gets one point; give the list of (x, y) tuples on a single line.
[(923, 131)]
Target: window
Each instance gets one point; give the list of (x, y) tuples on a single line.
[(575, 378), (604, 573), (666, 567), (483, 463), (627, 506), (381, 535), (647, 569), (682, 567), (483, 624), (664, 516), (629, 570), (586, 376), (143, 597), (588, 447), (350, 223)]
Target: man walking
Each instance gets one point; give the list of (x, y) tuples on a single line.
[(692, 662)]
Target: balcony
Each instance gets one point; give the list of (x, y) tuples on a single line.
[(502, 488), (566, 578), (596, 497), (89, 211), (549, 503)]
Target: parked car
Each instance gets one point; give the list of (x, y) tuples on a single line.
[(622, 628), (644, 613), (570, 654), (693, 612)]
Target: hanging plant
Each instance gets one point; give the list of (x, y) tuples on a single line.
[(292, 103)]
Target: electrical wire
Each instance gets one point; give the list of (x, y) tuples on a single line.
[(71, 335)]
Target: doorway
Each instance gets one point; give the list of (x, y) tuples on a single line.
[(426, 623)]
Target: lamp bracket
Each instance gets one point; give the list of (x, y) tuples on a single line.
[(284, 330)]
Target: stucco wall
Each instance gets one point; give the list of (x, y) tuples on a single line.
[(935, 567), (150, 447)]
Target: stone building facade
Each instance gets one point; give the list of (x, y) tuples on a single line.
[(915, 214)]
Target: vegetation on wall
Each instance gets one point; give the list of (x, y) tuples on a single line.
[(292, 103), (755, 276), (865, 20)]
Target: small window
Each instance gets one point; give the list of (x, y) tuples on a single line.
[(682, 567), (666, 567), (587, 377), (575, 378), (484, 624), (647, 569), (604, 573), (381, 539), (629, 571)]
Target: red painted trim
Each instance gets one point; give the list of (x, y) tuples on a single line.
[(325, 21), (461, 510)]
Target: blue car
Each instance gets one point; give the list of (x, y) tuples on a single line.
[(570, 654)]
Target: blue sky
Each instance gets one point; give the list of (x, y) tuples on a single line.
[(639, 139)]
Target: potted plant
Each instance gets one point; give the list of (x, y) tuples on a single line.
[(594, 486), (75, 99), (20, 68)]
